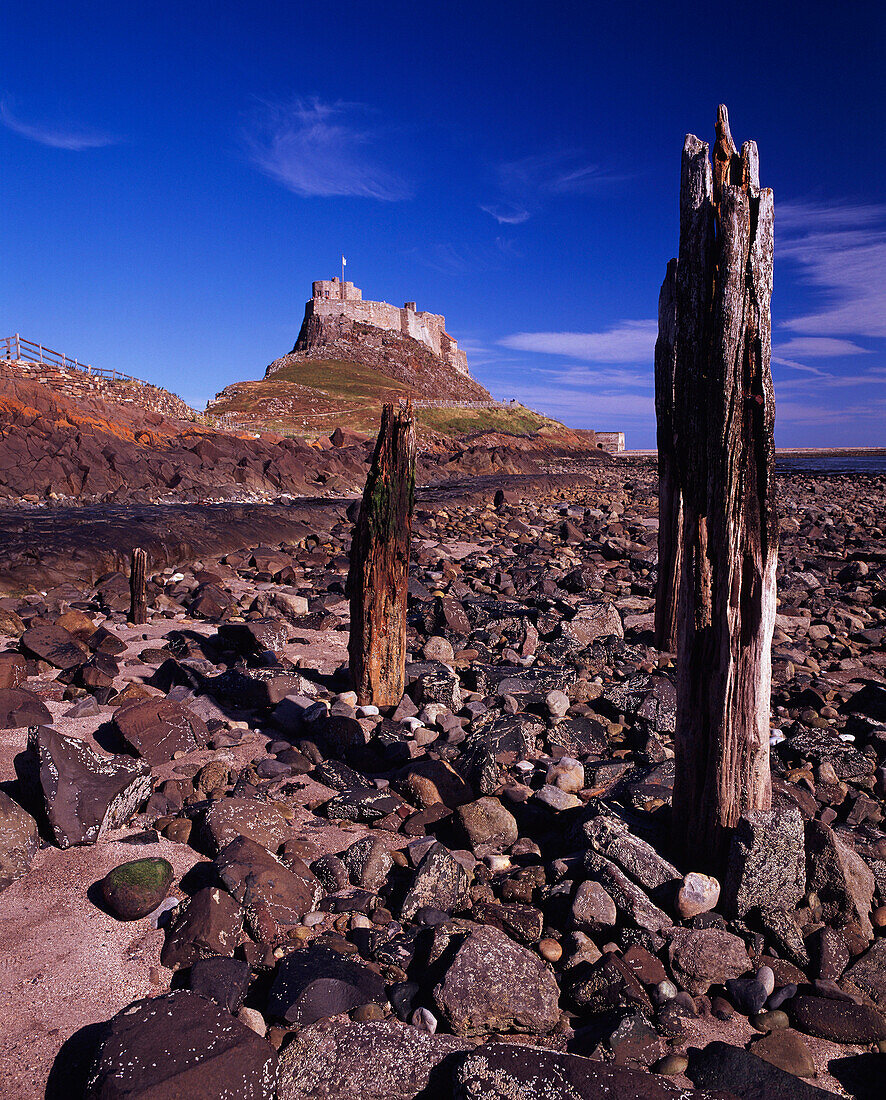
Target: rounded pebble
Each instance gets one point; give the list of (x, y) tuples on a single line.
[(672, 1064), (550, 949)]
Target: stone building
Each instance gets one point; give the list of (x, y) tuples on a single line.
[(333, 299)]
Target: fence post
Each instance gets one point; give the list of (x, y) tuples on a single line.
[(18, 346)]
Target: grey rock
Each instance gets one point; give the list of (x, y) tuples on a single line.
[(700, 958), (868, 972), (610, 837), (493, 984), (592, 908), (209, 923), (766, 866), (631, 901), (221, 979), (232, 817), (440, 882), (380, 1060), (274, 896), (839, 1021), (787, 1050), (20, 709), (843, 881), (157, 728), (486, 823), (368, 862), (499, 1071)]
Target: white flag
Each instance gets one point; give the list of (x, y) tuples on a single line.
[(344, 262)]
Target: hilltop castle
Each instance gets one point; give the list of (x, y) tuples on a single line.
[(334, 299)]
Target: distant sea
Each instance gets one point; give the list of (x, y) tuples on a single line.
[(831, 464)]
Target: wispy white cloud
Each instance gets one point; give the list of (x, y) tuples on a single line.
[(816, 216), (817, 347), (581, 407), (507, 213), (523, 185), (626, 342), (869, 414), (322, 149), (455, 259), (74, 139), (841, 250)]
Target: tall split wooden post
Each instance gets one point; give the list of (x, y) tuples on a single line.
[(138, 602), (379, 569), (718, 562)]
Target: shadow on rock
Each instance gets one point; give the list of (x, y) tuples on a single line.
[(70, 1070)]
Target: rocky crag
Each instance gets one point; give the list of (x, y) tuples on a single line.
[(221, 876), (352, 355)]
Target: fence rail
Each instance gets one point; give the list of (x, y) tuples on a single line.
[(17, 348)]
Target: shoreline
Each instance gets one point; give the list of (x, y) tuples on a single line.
[(811, 452)]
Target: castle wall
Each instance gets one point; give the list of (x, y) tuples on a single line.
[(332, 298)]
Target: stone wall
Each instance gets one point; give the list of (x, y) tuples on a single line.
[(78, 384), (332, 298), (613, 442)]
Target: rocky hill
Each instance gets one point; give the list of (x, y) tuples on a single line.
[(353, 355)]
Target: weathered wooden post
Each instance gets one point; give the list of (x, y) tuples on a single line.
[(138, 602), (379, 569), (670, 500), (722, 556)]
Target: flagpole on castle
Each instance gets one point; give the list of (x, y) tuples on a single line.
[(343, 264)]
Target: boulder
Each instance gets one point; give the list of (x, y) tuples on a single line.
[(209, 923), (85, 793), (368, 862), (593, 622), (493, 984), (632, 902), (440, 882), (722, 1066), (274, 896), (232, 817), (843, 881), (611, 837), (487, 824), (13, 670), (766, 867), (20, 709), (221, 979), (698, 894), (158, 728), (839, 1021), (317, 982), (500, 1071), (787, 1050), (700, 958), (55, 645), (136, 888), (868, 972), (19, 840), (181, 1045), (380, 1060)]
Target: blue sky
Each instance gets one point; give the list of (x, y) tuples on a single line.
[(175, 176)]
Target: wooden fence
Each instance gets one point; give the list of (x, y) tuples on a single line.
[(17, 348)]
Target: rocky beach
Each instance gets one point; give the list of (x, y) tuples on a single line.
[(222, 876)]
